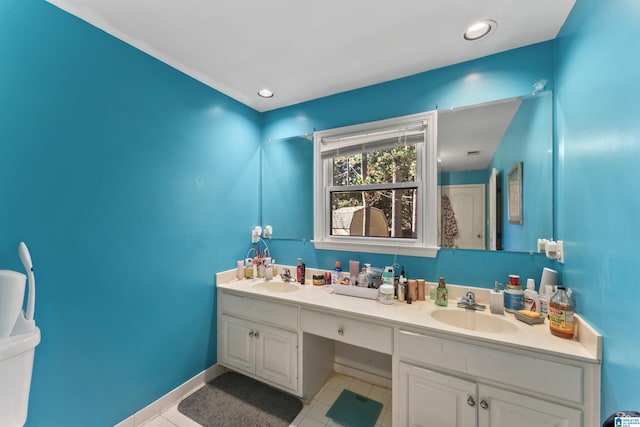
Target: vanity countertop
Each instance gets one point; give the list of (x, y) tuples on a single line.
[(586, 347)]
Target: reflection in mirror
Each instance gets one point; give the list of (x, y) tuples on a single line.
[(478, 146), (287, 165)]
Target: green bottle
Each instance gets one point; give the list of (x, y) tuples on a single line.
[(442, 295)]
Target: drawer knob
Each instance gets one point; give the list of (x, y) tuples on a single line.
[(251, 334), (471, 401), (340, 331), (257, 334), (484, 404)]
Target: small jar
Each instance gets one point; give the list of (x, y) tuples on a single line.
[(386, 294), (318, 279)]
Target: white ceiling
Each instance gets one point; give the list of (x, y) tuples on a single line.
[(304, 50)]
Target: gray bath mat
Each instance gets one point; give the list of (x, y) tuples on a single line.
[(233, 400)]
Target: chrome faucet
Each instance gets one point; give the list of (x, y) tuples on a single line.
[(286, 276), (469, 302)]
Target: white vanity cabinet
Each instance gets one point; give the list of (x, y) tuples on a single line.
[(429, 398), (440, 375), (448, 383), (259, 338)]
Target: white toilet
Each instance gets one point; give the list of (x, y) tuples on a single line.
[(19, 337)]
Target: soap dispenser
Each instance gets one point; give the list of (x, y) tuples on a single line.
[(496, 300), (442, 294)]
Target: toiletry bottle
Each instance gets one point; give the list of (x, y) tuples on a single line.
[(260, 268), (402, 286), (561, 311), (531, 297), (240, 270), (248, 269), (544, 302), (387, 276), (362, 277), (442, 295), (496, 300), (300, 272), (335, 274)]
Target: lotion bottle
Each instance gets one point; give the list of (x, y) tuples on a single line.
[(531, 297)]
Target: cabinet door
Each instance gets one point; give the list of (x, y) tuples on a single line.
[(277, 356), (500, 408), (428, 398), (238, 343)]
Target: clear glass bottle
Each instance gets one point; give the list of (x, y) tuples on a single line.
[(561, 314)]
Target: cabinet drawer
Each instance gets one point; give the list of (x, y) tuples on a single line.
[(524, 372), (347, 330), (256, 309)]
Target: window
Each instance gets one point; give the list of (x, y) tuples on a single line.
[(375, 187)]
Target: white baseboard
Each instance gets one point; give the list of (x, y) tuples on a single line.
[(174, 396), (370, 377)]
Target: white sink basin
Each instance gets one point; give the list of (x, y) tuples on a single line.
[(475, 321), (276, 286)]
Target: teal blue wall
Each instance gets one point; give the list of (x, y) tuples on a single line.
[(132, 185), (530, 132), (480, 176), (598, 133)]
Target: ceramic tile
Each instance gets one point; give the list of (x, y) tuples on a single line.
[(146, 414), (176, 417), (387, 418), (380, 394), (159, 421), (318, 412), (297, 420), (339, 382), (328, 396), (310, 422), (306, 407), (360, 387)]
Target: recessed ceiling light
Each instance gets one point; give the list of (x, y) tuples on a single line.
[(265, 93), (479, 29)]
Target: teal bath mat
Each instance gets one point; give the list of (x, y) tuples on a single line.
[(354, 410)]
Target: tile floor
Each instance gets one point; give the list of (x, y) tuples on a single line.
[(312, 414)]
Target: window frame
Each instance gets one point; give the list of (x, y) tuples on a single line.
[(425, 243)]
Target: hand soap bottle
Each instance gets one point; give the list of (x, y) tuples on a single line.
[(496, 300), (442, 295)]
